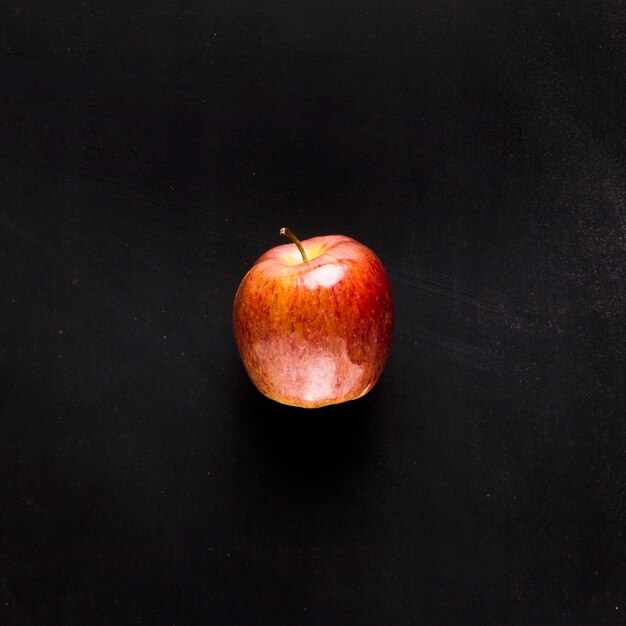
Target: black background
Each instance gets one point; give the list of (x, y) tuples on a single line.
[(150, 151)]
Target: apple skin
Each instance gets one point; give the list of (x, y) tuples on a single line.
[(318, 332)]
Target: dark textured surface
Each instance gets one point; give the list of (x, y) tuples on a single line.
[(148, 154)]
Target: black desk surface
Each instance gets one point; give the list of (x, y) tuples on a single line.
[(151, 151)]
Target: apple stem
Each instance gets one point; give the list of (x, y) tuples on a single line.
[(288, 233)]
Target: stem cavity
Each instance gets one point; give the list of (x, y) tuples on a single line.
[(288, 233)]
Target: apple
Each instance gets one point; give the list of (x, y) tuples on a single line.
[(313, 321)]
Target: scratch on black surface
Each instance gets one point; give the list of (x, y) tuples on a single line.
[(476, 328)]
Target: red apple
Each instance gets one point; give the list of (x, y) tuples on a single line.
[(313, 321)]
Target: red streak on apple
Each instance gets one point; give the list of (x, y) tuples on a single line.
[(317, 332)]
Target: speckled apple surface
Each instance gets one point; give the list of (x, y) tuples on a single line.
[(317, 332)]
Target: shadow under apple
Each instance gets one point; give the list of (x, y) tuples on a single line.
[(310, 446)]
